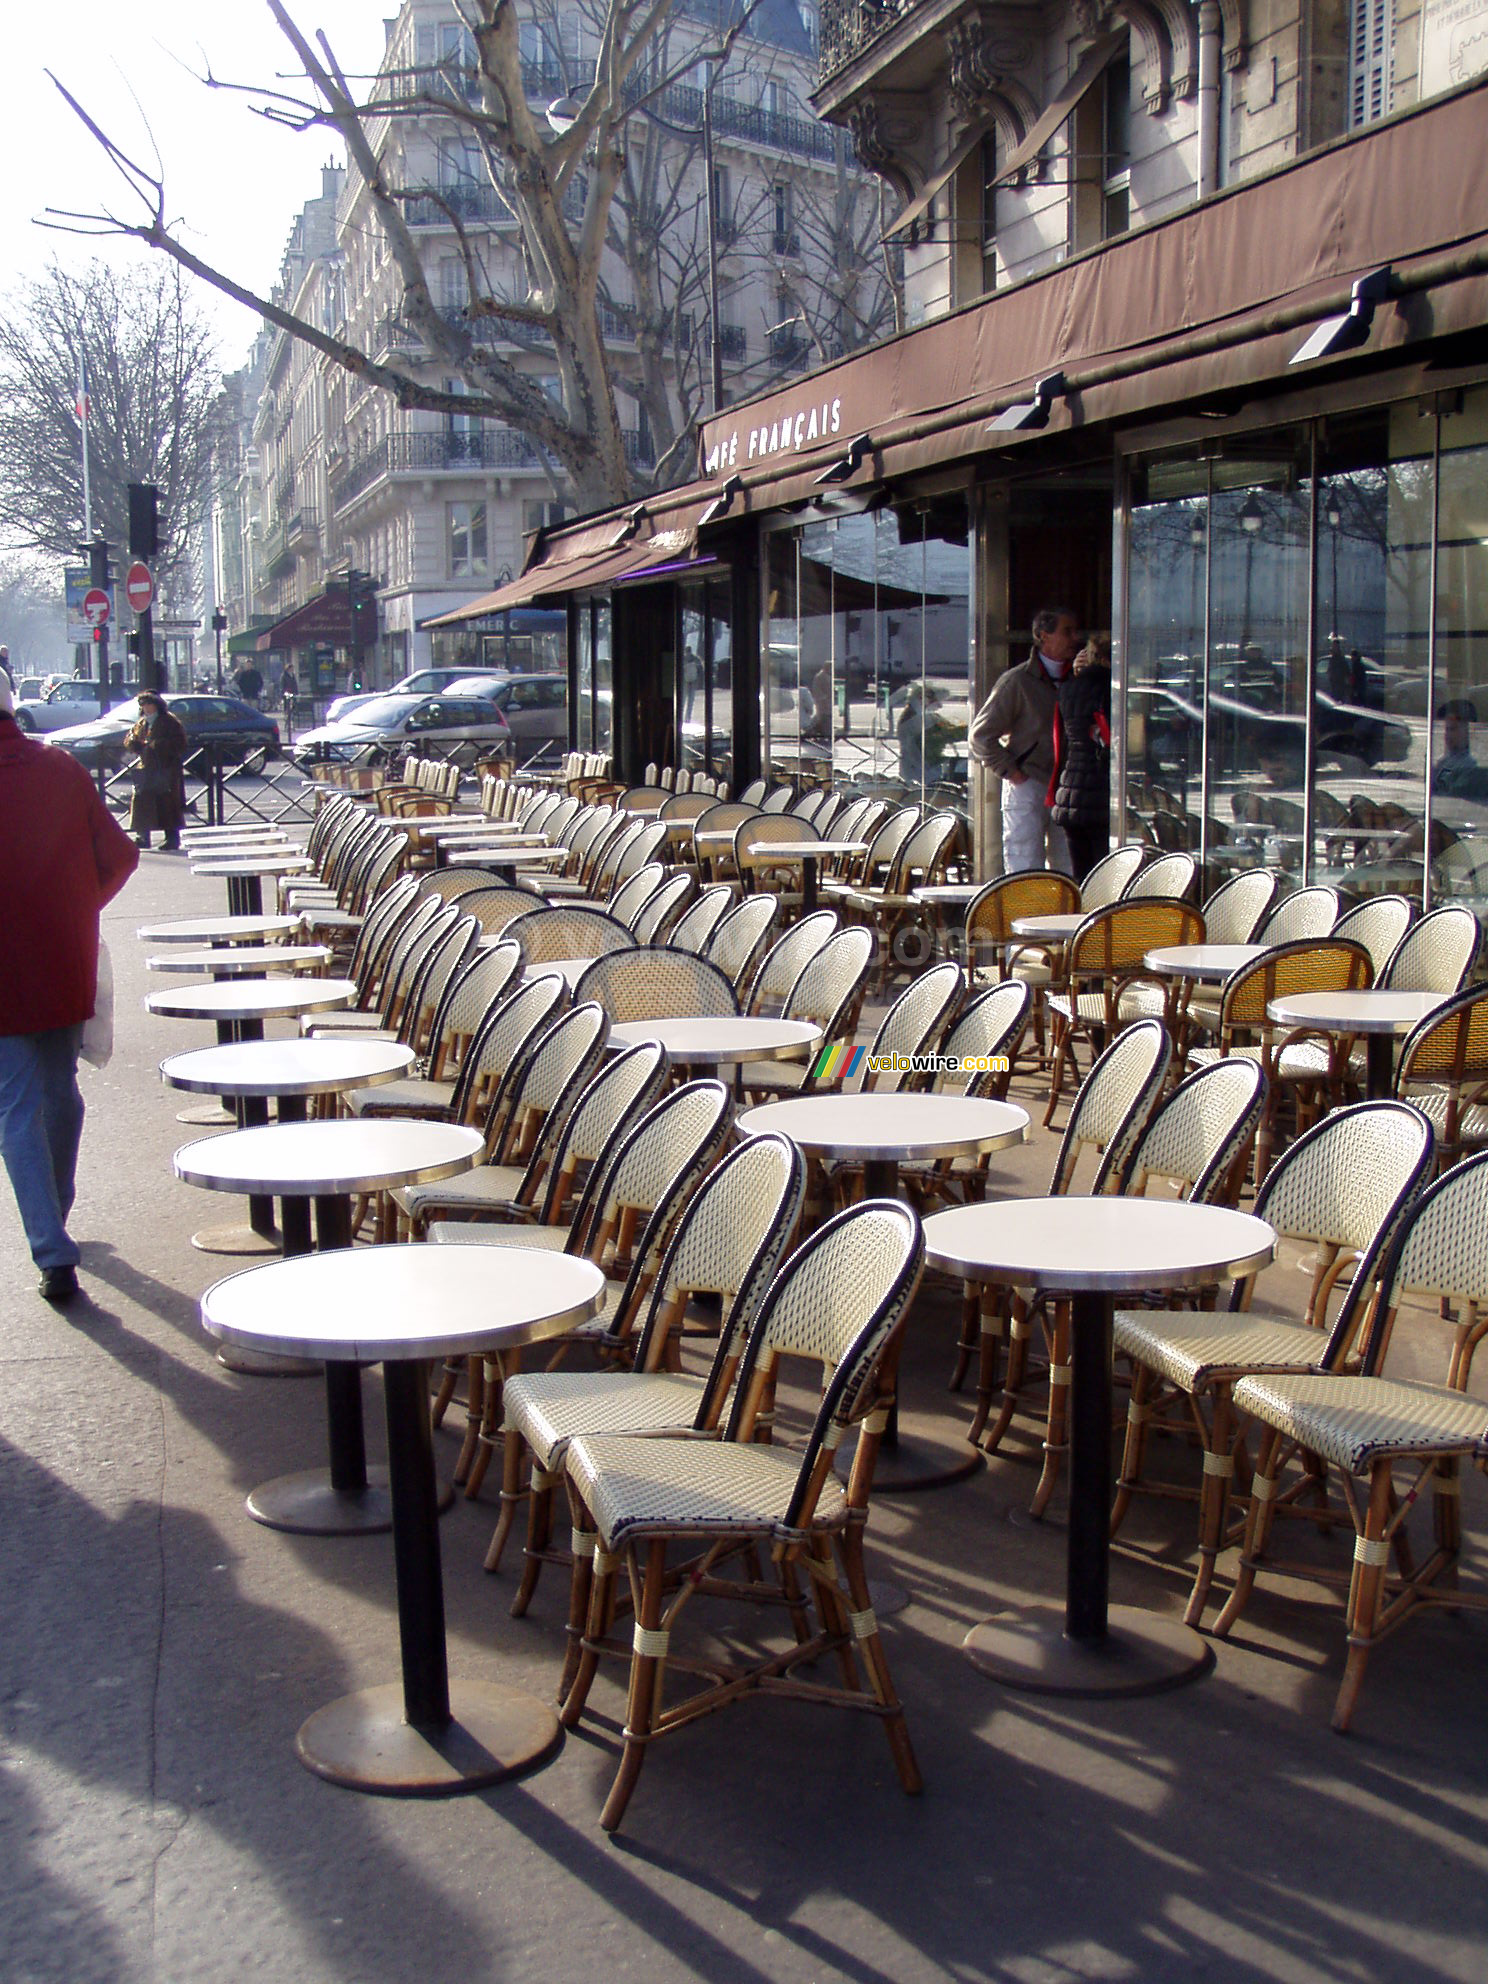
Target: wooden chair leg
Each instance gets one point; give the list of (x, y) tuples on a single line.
[(539, 1529), (1366, 1591), (1214, 1501), (1134, 1451), (986, 1305), (488, 1434), (875, 1660), (513, 1448), (1056, 1435), (580, 1599), (966, 1343), (474, 1398), (449, 1377), (1020, 1329), (1258, 1522), (645, 1675)]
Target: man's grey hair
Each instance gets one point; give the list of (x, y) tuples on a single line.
[(1048, 618)]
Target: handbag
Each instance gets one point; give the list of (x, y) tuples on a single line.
[(97, 1044)]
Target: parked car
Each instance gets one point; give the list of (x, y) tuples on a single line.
[(460, 728), (231, 727), (535, 708), (340, 707), (66, 704), (424, 681), (30, 688)]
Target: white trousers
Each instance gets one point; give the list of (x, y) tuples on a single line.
[(1030, 839)]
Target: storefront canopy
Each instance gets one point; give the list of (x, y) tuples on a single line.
[(322, 622)]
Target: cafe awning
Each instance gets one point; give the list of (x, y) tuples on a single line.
[(622, 544), (322, 622)]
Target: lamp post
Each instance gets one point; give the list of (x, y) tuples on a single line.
[(1252, 516), (1333, 517), (219, 627)]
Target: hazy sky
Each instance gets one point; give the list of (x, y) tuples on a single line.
[(233, 181)]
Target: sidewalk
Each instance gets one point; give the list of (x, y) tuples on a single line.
[(158, 1651)]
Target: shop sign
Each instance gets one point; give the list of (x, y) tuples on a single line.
[(790, 432)]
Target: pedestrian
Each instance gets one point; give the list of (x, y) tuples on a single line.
[(289, 687), (1013, 735), (1080, 788), (159, 783), (65, 857), (5, 666), (249, 683)]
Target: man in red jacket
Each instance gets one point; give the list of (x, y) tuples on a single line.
[(64, 856)]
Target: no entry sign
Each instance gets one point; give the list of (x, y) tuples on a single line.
[(95, 606), (139, 587)]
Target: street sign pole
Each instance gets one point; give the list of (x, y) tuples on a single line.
[(144, 542)]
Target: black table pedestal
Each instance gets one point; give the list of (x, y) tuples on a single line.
[(422, 1739), (260, 1237), (1088, 1648), (1379, 1062)]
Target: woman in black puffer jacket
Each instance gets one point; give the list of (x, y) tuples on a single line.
[(1080, 790)]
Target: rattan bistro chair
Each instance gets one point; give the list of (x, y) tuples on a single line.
[(694, 928), (1238, 907), (1343, 1187), (657, 984), (841, 1302), (1305, 913), (1443, 1069), (738, 943), (1170, 875), (988, 1029), (660, 909), (785, 960), (1107, 1115), (479, 986), (1437, 954), (1107, 880), (728, 1243), (1372, 1428), (1378, 924), (576, 930), (829, 993)]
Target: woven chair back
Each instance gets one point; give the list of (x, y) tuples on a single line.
[(659, 909), (1114, 1101), (449, 884), (406, 962), (916, 1020), (504, 1037), (561, 1056), (498, 906), (632, 895), (754, 792), (1029, 892), (785, 960), (476, 989), (924, 854), (738, 941), (653, 1170), (990, 1026), (1306, 913), (887, 844), (395, 901), (1437, 955), (698, 923), (657, 984), (1439, 1259), (687, 806), (568, 930), (1330, 965), (1196, 1138), (1239, 906), (1170, 875), (1378, 925), (640, 850), (439, 971), (618, 1095), (829, 990), (1110, 876), (1117, 938), (778, 799)]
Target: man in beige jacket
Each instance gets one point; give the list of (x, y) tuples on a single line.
[(1013, 735)]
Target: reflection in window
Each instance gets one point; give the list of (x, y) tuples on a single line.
[(584, 678), (1459, 744), (604, 680)]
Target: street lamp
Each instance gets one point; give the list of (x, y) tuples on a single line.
[(219, 628), (1252, 516)]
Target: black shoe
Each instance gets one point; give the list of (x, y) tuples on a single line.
[(142, 840), (58, 1285), (171, 844)]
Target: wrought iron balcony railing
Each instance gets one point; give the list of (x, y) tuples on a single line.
[(847, 27)]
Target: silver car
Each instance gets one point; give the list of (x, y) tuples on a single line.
[(459, 728)]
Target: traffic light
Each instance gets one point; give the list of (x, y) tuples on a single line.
[(144, 520), (98, 563), (98, 637), (132, 643)]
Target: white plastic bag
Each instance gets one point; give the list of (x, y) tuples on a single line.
[(98, 1032)]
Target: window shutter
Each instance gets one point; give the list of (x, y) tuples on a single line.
[(1371, 60)]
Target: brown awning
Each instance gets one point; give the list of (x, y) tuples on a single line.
[(1216, 297), (322, 622), (597, 552), (1086, 74)]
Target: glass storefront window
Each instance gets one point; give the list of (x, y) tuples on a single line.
[(584, 677), (1459, 743), (604, 679)]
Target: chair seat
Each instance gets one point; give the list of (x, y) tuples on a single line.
[(410, 1095), (347, 1026), (452, 1233), (773, 1077), (633, 1487), (1092, 1006), (489, 1188), (1142, 1002), (552, 1408), (1353, 1421), (1303, 1061), (1472, 1120), (1193, 1347)]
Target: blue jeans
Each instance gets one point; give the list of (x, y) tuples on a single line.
[(41, 1124)]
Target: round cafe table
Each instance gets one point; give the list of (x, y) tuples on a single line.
[(244, 877), (1382, 1018), (761, 854), (240, 1009), (718, 1042), (405, 1306), (243, 960), (217, 930), (880, 1131), (1055, 928), (330, 1163), (1091, 1250), (1202, 963)]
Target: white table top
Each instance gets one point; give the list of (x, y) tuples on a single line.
[(951, 895), (890, 1126), (246, 961), (1355, 1012), (354, 1154), (287, 1067), (1209, 961), (1070, 1244), (367, 1303), (718, 1041), (216, 929), (1057, 926), (253, 999), (800, 850), (267, 863)]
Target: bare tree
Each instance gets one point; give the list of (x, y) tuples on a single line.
[(153, 381), (561, 184), (32, 617)]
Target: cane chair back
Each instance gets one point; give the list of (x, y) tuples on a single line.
[(737, 943), (1328, 964), (924, 854), (722, 817), (1368, 1425), (914, 1023), (568, 930), (329, 817), (1306, 913), (829, 990), (480, 985), (395, 901), (449, 884), (497, 907), (753, 837), (1443, 1069), (754, 792), (657, 912), (504, 1037), (1379, 925), (383, 866), (1170, 875), (642, 1186), (687, 806), (440, 969), (1108, 951), (606, 862), (657, 984), (786, 959), (1236, 910), (385, 958), (557, 821), (876, 864), (1437, 954), (632, 895), (641, 798), (859, 819), (1109, 877), (833, 805), (990, 1028), (989, 920), (806, 805), (778, 799), (586, 833), (1113, 1103), (406, 963), (1199, 1137), (547, 1077), (639, 851), (618, 1096), (695, 927)]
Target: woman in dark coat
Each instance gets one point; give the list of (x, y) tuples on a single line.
[(1080, 790), (159, 783)]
